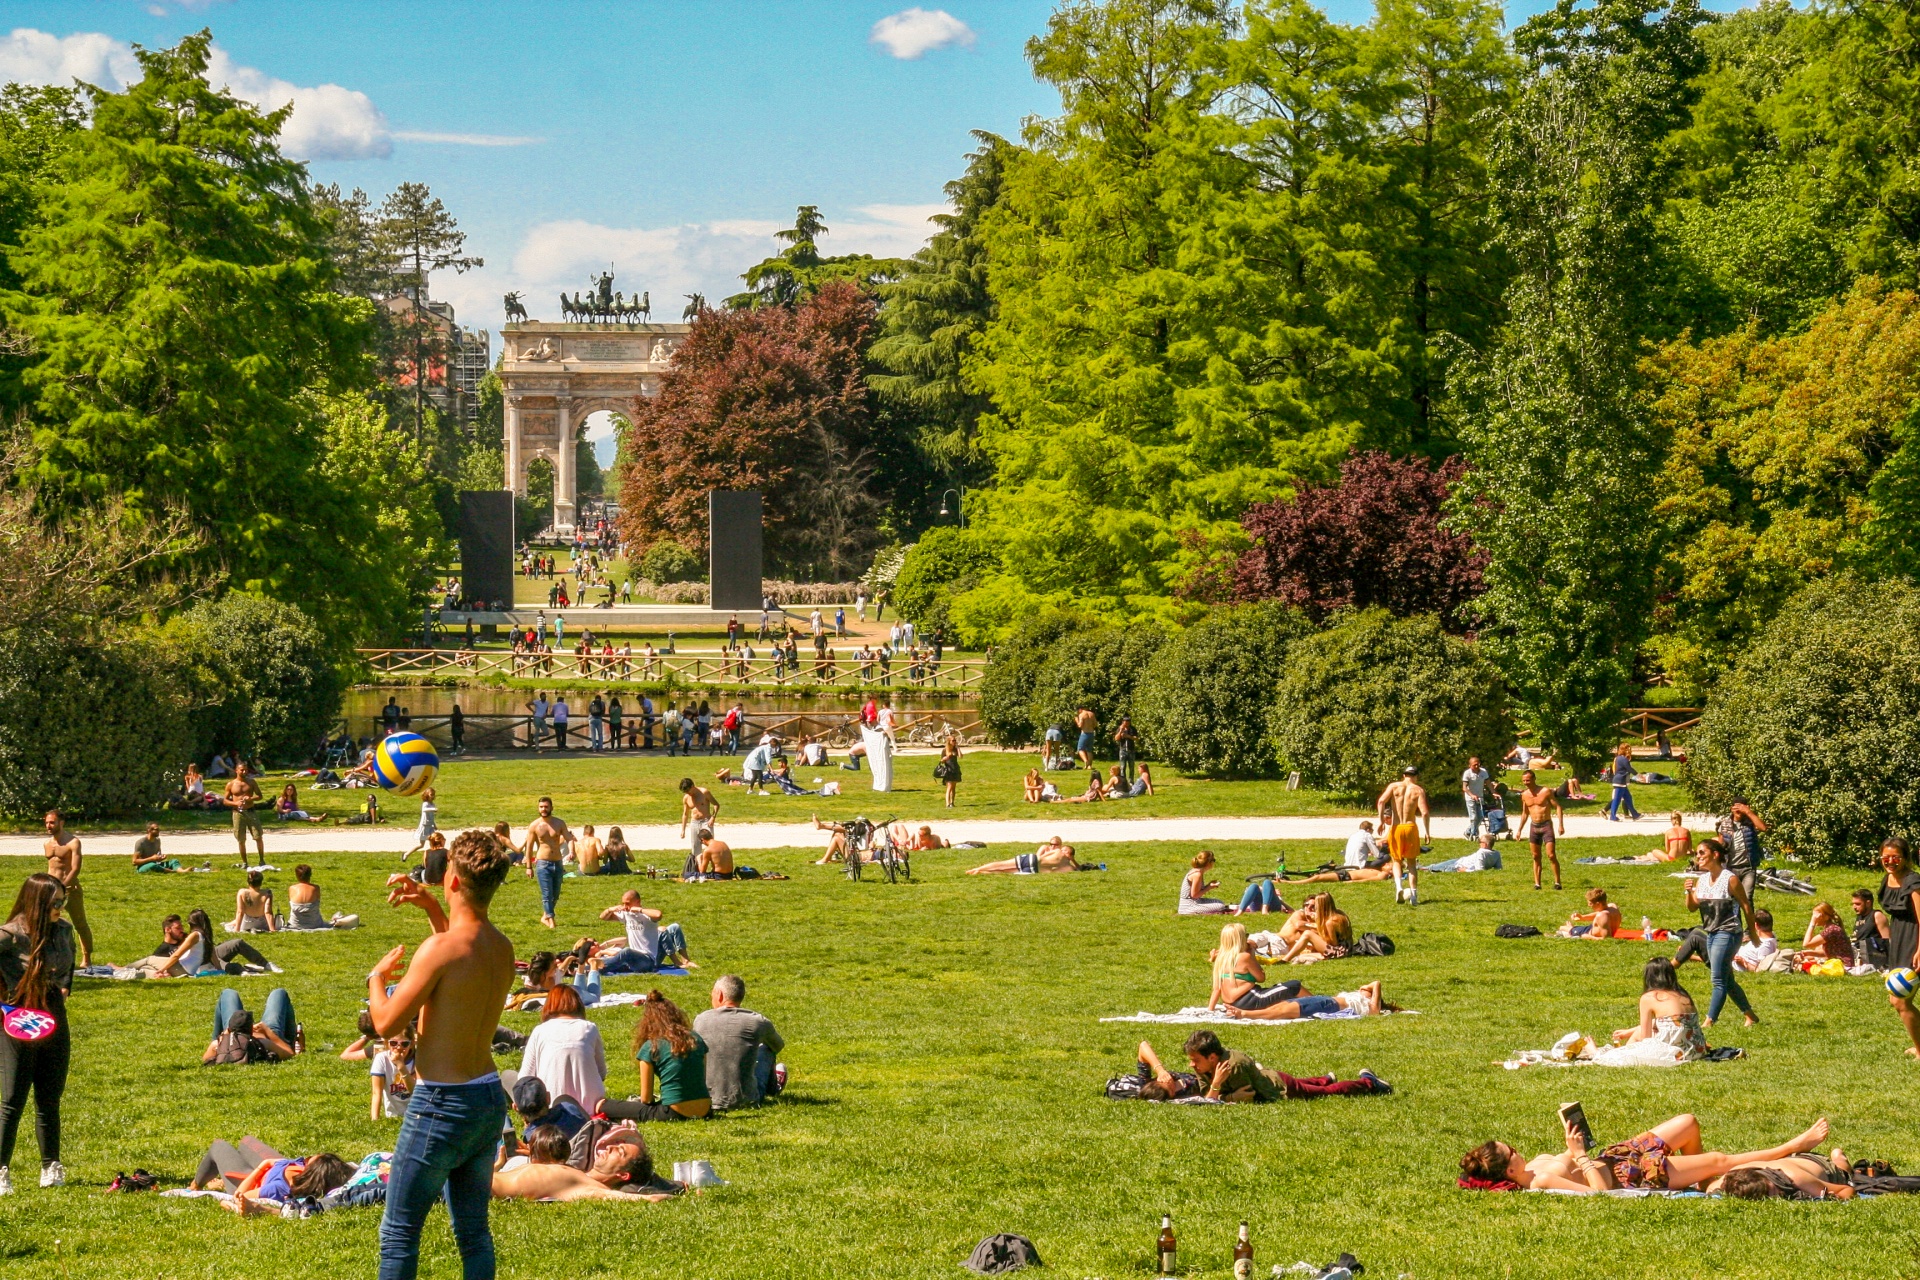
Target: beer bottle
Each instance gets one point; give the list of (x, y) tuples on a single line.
[(1167, 1247), (299, 1037), (1243, 1256)]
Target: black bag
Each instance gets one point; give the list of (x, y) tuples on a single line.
[(1372, 944), (1516, 931), (942, 769), (1001, 1253), (232, 1049)]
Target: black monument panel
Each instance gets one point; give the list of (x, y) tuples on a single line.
[(486, 545), (733, 548)]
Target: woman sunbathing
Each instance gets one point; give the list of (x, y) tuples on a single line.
[(1238, 975), (1668, 1157), (1806, 1176), (1365, 1002), (1669, 1028), (1679, 841)]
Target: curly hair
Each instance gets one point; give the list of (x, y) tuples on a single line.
[(661, 1019)]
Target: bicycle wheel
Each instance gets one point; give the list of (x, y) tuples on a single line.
[(887, 863)]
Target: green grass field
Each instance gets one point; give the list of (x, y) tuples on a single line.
[(644, 787), (947, 1065)]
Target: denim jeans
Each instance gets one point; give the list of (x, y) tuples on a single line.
[(1621, 796), (1261, 893), (1720, 951), (549, 873), (596, 733), (445, 1148), (1476, 815), (276, 1013)]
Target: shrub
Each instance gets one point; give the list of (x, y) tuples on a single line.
[(1098, 670), (945, 562), (258, 676), (1818, 726), (1006, 690), (1374, 693), (668, 561), (89, 724), (1202, 702)]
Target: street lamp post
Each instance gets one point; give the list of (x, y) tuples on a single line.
[(959, 505)]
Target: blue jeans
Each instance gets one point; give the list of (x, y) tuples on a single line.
[(1310, 1007), (596, 733), (1621, 796), (277, 1013), (1720, 950), (1476, 815), (549, 874), (445, 1148), (1261, 893)]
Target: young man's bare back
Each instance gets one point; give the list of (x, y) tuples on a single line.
[(456, 985), (1401, 812)]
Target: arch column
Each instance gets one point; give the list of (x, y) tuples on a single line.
[(563, 466), (516, 482)]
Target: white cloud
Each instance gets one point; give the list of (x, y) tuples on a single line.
[(28, 56), (913, 33), (465, 139)]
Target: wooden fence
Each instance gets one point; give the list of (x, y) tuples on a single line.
[(835, 728), (1642, 724), (684, 669)]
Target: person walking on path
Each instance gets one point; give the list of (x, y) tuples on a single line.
[(698, 809), (456, 985), (241, 795), (63, 864), (1400, 813), (547, 841), (36, 973), (1620, 775), (1541, 805), (1473, 789)]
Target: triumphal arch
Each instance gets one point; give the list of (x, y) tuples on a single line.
[(606, 354)]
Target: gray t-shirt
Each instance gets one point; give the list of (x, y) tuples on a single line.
[(1474, 783), (734, 1037)]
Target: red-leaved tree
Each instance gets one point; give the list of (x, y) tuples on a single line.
[(1375, 538), (771, 399)]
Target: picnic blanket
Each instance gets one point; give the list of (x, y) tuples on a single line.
[(1201, 1014), (1575, 1049)]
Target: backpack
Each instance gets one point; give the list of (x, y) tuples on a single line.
[(234, 1049), (1373, 944), (1516, 931)]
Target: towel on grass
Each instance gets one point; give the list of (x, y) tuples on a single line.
[(1216, 1017)]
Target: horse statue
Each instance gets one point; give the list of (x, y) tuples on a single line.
[(600, 301), (696, 303), (645, 306), (514, 310)]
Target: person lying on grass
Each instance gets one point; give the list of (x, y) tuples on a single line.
[(1233, 1076), (616, 1165), (283, 1180), (1667, 1157), (1054, 855), (1365, 1002), (1807, 1176), (1238, 975), (1380, 869), (545, 971)]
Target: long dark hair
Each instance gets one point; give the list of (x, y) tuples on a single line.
[(33, 906), (319, 1175), (661, 1019), (197, 920), (1660, 975)]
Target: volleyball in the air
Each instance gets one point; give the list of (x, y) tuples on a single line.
[(1901, 982), (405, 764)]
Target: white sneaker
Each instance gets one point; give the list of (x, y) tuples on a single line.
[(6, 1181), (53, 1174)]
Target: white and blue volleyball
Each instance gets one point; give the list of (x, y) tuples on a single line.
[(405, 764), (1901, 983)]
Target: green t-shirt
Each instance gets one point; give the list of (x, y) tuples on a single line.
[(1244, 1073), (682, 1079)]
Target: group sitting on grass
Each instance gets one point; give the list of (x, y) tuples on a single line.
[(1113, 786), (187, 950), (1668, 1157), (1238, 975), (1224, 1075)]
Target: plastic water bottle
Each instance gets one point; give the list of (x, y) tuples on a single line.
[(1646, 929)]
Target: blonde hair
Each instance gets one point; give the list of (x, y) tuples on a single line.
[(1233, 944)]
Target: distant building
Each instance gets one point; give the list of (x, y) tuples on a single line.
[(460, 359)]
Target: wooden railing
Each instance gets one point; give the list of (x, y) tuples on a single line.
[(685, 668), (835, 728), (1642, 723)]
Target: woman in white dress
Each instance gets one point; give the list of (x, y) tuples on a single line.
[(1669, 1031)]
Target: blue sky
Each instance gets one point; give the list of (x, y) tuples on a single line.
[(669, 138)]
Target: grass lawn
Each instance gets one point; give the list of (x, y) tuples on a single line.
[(947, 1071), (644, 787)]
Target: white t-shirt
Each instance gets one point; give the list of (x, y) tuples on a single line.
[(568, 1056), (1361, 849), (393, 1103), (883, 720), (1474, 782), (1755, 954), (813, 753), (643, 932)]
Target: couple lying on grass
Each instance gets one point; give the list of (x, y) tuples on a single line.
[(1668, 1157), (1238, 975), (1225, 1075)]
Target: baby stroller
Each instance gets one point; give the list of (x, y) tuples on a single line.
[(869, 839)]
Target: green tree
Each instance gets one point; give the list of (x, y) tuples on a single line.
[(1006, 690), (178, 293), (259, 677), (1097, 669), (1203, 703), (945, 562), (1561, 448), (420, 237), (38, 130), (796, 273), (1373, 694)]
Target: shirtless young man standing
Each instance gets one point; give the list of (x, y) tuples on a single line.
[(547, 839), (698, 810), (241, 795), (1541, 806), (63, 864), (1401, 813), (457, 984), (1085, 721)]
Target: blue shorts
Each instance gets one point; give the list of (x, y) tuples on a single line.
[(1314, 1006), (1086, 743)]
